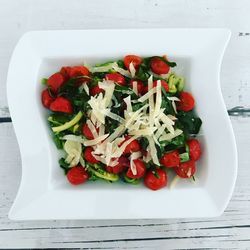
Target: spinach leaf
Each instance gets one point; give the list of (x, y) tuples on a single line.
[(64, 165), (190, 122), (58, 142)]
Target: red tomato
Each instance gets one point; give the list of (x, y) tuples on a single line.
[(47, 99), (77, 175), (156, 179), (96, 90), (186, 102), (171, 159), (87, 132), (158, 66), (61, 104), (133, 146), (78, 71), (140, 86), (140, 170), (116, 77), (186, 169), (163, 84), (123, 163), (88, 156), (55, 81), (194, 149), (65, 71), (136, 60)]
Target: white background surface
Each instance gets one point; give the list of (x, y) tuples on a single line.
[(232, 229)]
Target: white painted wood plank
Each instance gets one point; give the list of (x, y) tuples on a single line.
[(231, 230)]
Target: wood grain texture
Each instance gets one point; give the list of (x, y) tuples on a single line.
[(230, 231)]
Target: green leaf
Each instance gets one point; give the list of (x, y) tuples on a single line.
[(57, 141), (44, 81), (184, 157), (64, 165), (190, 122)]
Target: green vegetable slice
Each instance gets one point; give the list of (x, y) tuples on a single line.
[(96, 170), (69, 124)]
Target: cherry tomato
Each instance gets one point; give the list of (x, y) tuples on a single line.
[(78, 71), (194, 149), (136, 60), (96, 90), (77, 175), (65, 71), (61, 104), (133, 146), (163, 84), (55, 82), (140, 170), (140, 86), (116, 77), (186, 169), (88, 156), (158, 66), (156, 179), (171, 159), (47, 99), (123, 163), (87, 132), (186, 102)]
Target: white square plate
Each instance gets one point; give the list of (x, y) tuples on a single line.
[(44, 192)]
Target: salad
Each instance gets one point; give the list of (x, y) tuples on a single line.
[(128, 120)]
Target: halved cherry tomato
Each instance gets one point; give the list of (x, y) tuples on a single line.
[(55, 81), (122, 164), (88, 156), (61, 104), (158, 66), (96, 90), (78, 71), (47, 99), (116, 77), (186, 102), (133, 146), (140, 170), (156, 179), (77, 175), (140, 86), (171, 159), (186, 169), (136, 60), (194, 149), (163, 84), (87, 132)]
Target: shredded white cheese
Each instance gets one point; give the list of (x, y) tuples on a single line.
[(121, 70), (132, 69), (134, 156), (95, 141), (135, 88)]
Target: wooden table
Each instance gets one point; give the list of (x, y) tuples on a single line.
[(232, 229)]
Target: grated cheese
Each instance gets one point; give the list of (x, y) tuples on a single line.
[(92, 128), (134, 85), (95, 141), (134, 156), (121, 70), (132, 69)]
